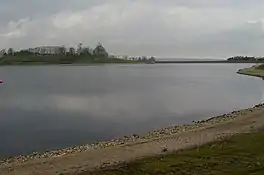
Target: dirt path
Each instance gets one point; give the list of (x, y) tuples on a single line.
[(74, 163)]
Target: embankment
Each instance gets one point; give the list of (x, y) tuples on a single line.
[(87, 157)]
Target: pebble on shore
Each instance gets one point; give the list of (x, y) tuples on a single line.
[(134, 138)]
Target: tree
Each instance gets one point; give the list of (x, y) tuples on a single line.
[(62, 50), (24, 53), (125, 57), (100, 51), (79, 50), (86, 51), (144, 58), (3, 51), (10, 51), (72, 51), (152, 60)]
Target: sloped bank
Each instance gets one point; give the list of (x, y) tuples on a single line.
[(240, 154), (252, 71), (130, 140)]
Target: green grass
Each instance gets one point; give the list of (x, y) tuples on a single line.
[(242, 154), (252, 72)]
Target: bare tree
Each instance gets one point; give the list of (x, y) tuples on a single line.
[(3, 51), (152, 60), (79, 49), (144, 58), (72, 51), (100, 51), (86, 51), (62, 50), (10, 51), (125, 57)]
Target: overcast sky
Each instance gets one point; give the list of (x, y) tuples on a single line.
[(162, 28)]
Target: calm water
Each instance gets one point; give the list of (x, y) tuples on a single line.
[(50, 107)]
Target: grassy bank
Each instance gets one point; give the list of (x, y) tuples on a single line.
[(242, 154), (256, 71)]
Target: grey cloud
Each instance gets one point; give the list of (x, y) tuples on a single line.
[(172, 28), (17, 9), (245, 39)]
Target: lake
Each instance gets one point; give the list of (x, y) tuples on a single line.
[(52, 107)]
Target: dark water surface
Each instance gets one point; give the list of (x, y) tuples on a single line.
[(50, 107)]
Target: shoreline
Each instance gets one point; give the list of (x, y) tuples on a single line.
[(129, 62), (252, 71), (76, 162), (133, 139), (71, 64)]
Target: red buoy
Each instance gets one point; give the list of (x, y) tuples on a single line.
[(1, 81)]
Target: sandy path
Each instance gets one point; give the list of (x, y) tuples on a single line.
[(74, 163)]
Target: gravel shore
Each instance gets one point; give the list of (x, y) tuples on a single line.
[(85, 157)]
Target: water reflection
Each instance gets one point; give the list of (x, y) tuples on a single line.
[(53, 107)]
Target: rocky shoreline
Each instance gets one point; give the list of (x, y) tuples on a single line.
[(126, 140)]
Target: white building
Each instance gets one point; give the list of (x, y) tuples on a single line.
[(46, 50)]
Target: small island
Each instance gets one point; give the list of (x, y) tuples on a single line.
[(62, 55)]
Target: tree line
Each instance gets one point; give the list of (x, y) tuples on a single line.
[(98, 51), (245, 58), (63, 55)]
